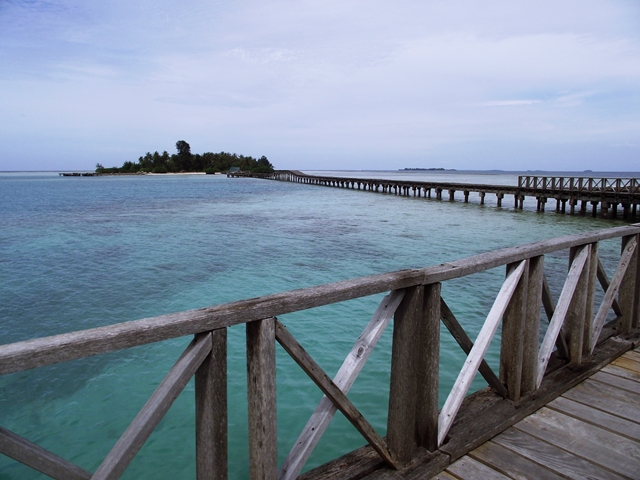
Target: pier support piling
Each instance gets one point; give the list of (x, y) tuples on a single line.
[(541, 203)]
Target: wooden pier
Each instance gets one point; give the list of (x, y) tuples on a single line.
[(571, 194), (579, 335), (591, 431)]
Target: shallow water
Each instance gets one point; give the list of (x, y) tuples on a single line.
[(77, 253)]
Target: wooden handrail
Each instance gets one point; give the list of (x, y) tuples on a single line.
[(580, 185)]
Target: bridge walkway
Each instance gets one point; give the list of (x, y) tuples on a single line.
[(591, 431)]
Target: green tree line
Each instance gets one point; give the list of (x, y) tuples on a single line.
[(185, 161)]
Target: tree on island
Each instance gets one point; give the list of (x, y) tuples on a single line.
[(185, 161), (183, 148)]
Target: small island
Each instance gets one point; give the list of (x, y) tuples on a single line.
[(439, 169), (186, 162)]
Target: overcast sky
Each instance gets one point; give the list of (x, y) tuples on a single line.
[(329, 84)]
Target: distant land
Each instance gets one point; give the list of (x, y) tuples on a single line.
[(431, 169), (185, 162)]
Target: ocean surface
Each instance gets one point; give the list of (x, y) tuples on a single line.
[(82, 252)]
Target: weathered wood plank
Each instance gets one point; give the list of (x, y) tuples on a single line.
[(626, 395), (612, 451), (511, 463), (589, 338), (549, 309), (611, 400), (154, 410), (36, 457), (622, 372), (629, 292), (44, 351), (322, 380), (560, 312), (261, 391), (618, 382), (423, 465), (468, 468), (460, 336), (470, 367), (211, 411), (427, 370), (574, 321), (558, 460), (511, 347), (344, 379), (444, 476), (628, 364), (612, 291), (531, 333), (634, 355), (476, 405), (589, 414), (604, 283), (403, 401), (354, 465)]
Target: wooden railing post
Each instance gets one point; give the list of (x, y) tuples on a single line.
[(575, 319), (629, 293), (512, 336), (531, 332), (401, 421), (261, 391), (428, 370), (211, 411)]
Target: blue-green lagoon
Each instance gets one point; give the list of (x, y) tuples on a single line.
[(82, 252)]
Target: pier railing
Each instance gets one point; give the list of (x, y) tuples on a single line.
[(577, 340), (589, 187)]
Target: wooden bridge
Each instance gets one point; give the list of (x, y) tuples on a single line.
[(586, 330), (579, 193), (591, 431)]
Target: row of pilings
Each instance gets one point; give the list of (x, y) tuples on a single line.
[(573, 195)]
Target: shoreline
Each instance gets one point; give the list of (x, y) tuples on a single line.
[(94, 174)]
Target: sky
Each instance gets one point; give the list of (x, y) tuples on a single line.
[(510, 85)]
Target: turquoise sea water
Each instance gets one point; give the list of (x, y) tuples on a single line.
[(77, 253)]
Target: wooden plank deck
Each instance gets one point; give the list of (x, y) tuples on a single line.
[(592, 431)]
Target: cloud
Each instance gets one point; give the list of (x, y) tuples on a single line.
[(573, 99), (362, 82), (507, 103)]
